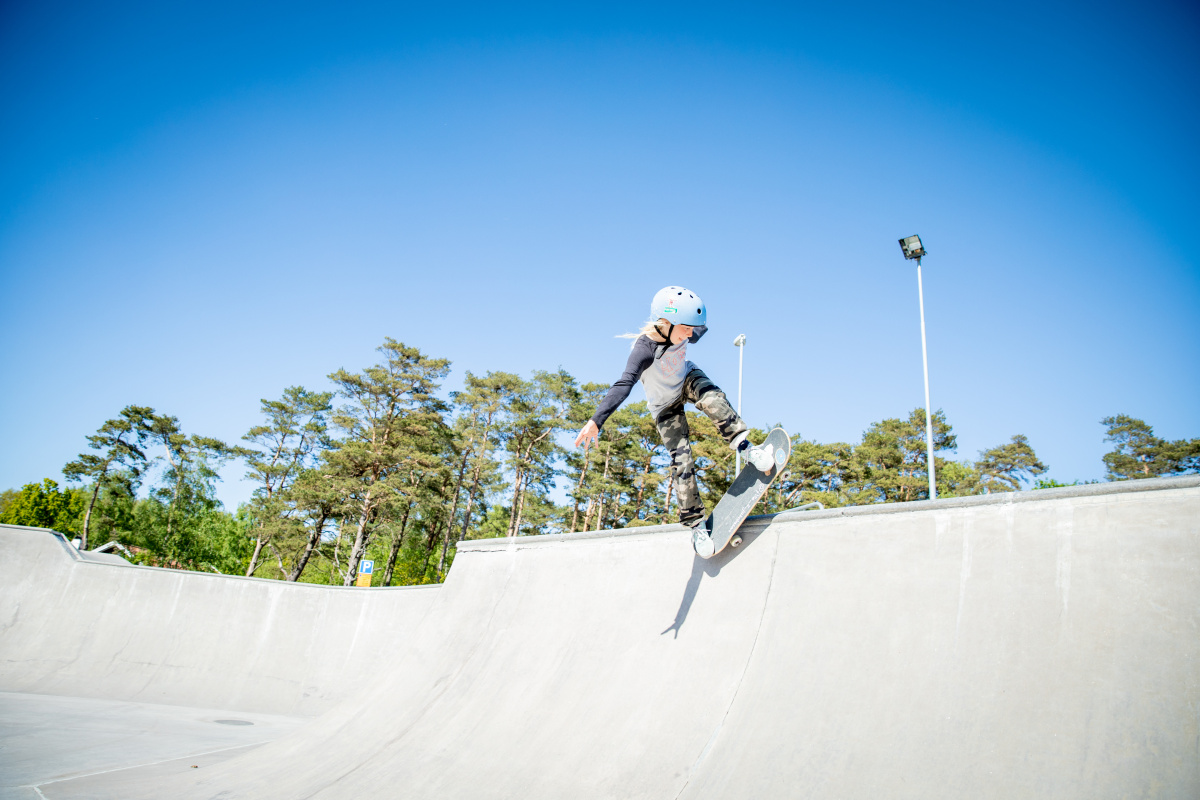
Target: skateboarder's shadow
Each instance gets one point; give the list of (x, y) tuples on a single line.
[(700, 568)]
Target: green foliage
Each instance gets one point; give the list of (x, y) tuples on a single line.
[(1050, 483), (287, 449), (110, 510), (536, 411), (120, 460), (6, 499), (494, 524), (829, 474), (1004, 468), (174, 524), (889, 465), (479, 430), (43, 505), (623, 479), (1138, 453), (959, 479), (181, 523), (207, 539), (894, 457), (221, 543), (390, 453)]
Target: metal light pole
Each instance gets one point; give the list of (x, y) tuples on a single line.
[(740, 344), (913, 249)]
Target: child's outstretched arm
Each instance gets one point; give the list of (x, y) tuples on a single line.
[(641, 357)]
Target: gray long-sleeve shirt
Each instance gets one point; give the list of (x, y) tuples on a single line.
[(661, 377)]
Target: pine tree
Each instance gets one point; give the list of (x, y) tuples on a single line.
[(288, 444), (481, 407), (893, 457), (1004, 468), (390, 426), (1141, 454), (650, 467), (818, 473), (536, 411), (315, 502), (180, 526), (120, 461)]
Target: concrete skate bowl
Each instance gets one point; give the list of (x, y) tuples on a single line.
[(93, 625), (1040, 644)]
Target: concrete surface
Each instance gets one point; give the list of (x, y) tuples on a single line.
[(1041, 644), (55, 746), (74, 625)]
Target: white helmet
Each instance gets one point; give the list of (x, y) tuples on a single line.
[(678, 306)]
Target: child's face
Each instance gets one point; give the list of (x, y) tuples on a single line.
[(681, 334)]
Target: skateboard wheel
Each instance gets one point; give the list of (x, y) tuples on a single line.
[(735, 541)]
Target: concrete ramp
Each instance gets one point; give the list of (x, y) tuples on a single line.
[(1041, 644), (79, 625)]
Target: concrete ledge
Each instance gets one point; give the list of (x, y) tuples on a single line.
[(999, 498), (760, 521), (87, 557)]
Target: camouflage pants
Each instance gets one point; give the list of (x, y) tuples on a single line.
[(673, 428)]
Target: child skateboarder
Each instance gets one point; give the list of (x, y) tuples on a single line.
[(659, 359)]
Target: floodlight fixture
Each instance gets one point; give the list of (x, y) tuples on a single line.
[(912, 247)]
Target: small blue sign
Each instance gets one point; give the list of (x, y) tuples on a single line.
[(366, 567)]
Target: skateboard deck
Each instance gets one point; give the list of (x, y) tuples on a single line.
[(722, 524)]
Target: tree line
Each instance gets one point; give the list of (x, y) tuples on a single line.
[(383, 467)]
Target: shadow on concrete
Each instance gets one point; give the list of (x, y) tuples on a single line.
[(700, 568)]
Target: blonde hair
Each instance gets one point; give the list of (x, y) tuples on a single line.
[(649, 328)]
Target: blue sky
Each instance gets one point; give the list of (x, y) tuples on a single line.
[(201, 204)]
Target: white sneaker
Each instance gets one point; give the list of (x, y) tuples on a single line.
[(702, 543), (761, 457)]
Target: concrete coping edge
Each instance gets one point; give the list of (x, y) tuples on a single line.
[(80, 559), (760, 521)]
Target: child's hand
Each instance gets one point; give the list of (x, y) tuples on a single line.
[(589, 433)]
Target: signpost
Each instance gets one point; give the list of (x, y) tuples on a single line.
[(365, 568)]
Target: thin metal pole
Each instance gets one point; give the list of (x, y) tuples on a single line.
[(928, 414), (737, 457), (741, 352)]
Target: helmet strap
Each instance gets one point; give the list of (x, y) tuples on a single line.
[(662, 348)]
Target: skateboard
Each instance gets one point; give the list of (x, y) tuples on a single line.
[(721, 526)]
